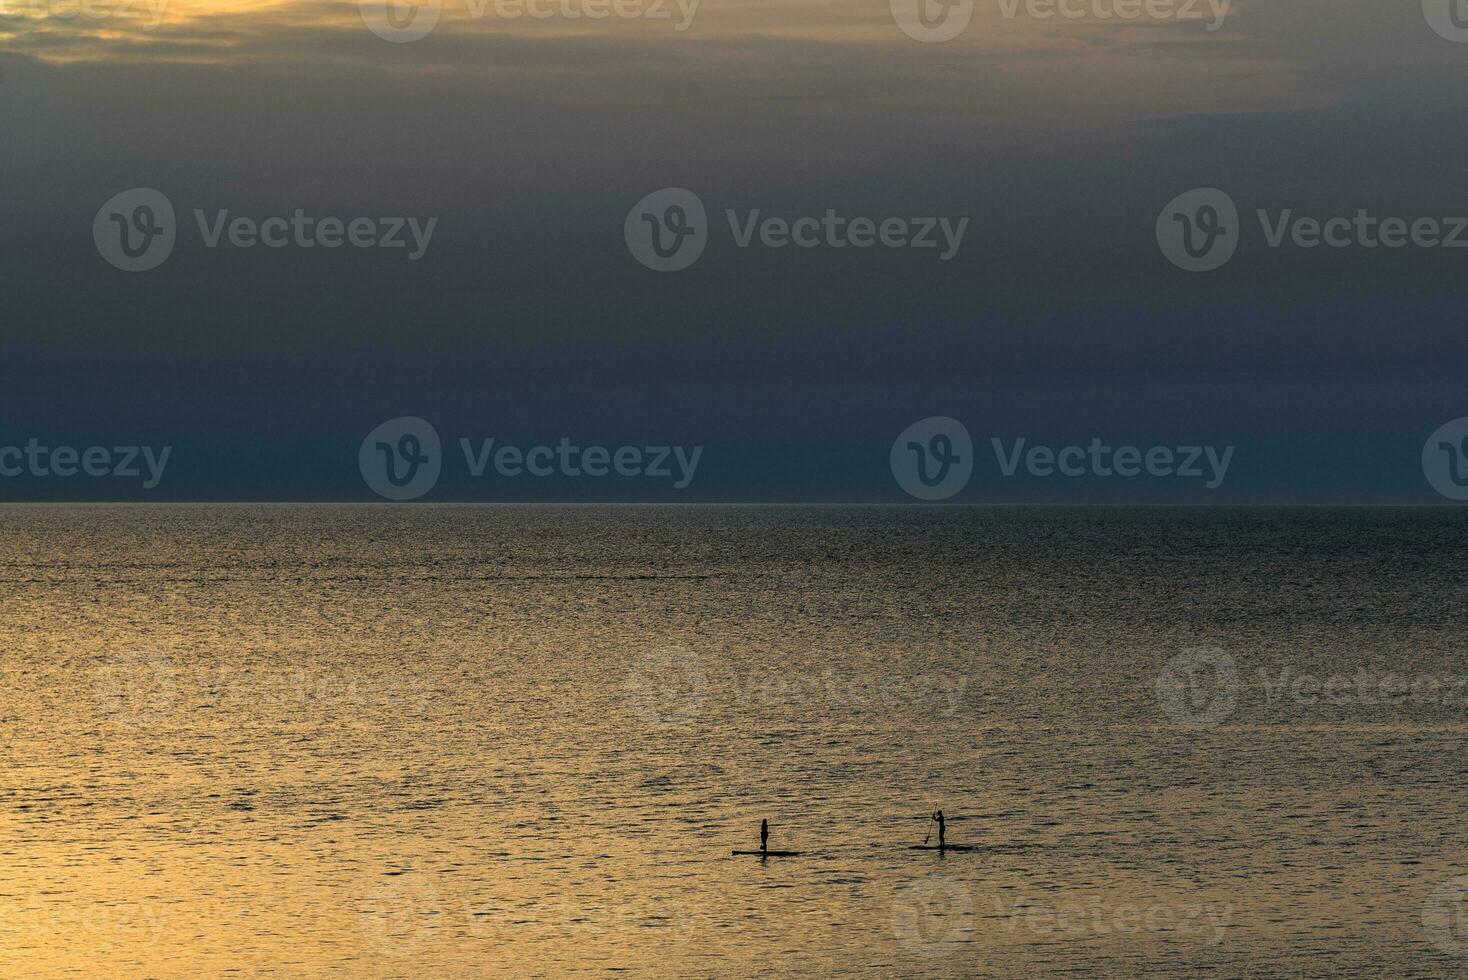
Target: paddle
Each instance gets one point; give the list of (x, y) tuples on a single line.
[(931, 815)]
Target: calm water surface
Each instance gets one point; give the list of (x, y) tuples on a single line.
[(467, 741)]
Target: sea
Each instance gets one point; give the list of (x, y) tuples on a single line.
[(468, 741)]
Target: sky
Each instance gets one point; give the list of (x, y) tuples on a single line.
[(532, 146)]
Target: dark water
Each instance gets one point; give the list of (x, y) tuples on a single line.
[(408, 741)]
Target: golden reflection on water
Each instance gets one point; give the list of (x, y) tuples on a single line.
[(467, 741)]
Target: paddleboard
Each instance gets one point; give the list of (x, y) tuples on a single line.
[(773, 854), (943, 847)]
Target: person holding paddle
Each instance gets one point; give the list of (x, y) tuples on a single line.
[(943, 846), (764, 835)]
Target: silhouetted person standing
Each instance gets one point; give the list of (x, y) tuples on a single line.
[(764, 835), (939, 817)]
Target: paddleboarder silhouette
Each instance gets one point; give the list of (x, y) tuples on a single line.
[(764, 835), (939, 817)]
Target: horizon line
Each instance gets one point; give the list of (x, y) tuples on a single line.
[(931, 505)]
